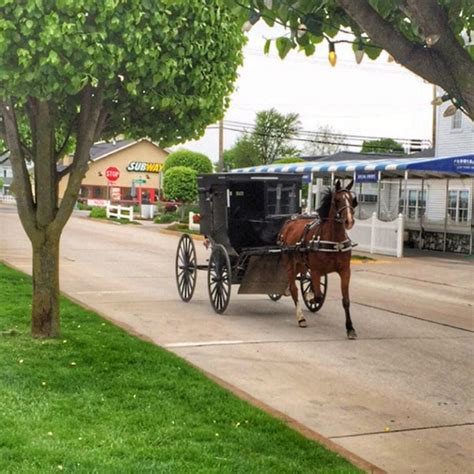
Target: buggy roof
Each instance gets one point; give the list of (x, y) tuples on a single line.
[(209, 180)]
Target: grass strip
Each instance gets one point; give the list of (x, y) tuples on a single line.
[(100, 400)]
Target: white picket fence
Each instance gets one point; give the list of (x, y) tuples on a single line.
[(191, 224), (7, 199), (120, 212), (375, 236)]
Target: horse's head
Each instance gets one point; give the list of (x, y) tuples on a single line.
[(345, 204)]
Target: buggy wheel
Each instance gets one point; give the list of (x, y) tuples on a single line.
[(185, 266), (306, 287), (219, 278), (274, 296)]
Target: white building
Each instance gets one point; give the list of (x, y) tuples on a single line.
[(6, 173)]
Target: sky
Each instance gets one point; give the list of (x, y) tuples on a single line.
[(375, 98)]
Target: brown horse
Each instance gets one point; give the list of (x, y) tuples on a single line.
[(321, 246)]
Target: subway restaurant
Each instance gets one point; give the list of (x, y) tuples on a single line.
[(123, 171)]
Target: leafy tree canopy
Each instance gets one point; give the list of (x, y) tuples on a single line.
[(432, 38), (242, 155), (272, 135), (191, 159), (180, 184), (384, 145)]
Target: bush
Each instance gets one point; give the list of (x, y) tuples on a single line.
[(196, 161), (166, 218), (288, 160), (98, 213), (180, 184)]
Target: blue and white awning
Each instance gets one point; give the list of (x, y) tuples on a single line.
[(462, 165)]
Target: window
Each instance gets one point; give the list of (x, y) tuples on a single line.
[(458, 205), (416, 205), (4, 173), (456, 121), (367, 197)]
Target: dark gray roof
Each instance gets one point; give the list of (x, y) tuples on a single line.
[(101, 149), (4, 158), (354, 155)]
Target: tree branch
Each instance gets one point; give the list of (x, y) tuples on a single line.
[(21, 180), (89, 115), (425, 62)]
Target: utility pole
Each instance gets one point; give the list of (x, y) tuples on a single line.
[(221, 146)]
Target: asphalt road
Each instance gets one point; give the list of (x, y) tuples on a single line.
[(400, 396)]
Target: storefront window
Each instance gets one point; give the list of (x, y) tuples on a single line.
[(458, 205)]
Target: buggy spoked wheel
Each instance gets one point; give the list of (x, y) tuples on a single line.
[(186, 270), (306, 290), (274, 296), (219, 278)]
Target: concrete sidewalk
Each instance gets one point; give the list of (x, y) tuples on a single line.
[(399, 397)]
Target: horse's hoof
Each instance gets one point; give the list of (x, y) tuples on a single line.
[(351, 334), (302, 323)]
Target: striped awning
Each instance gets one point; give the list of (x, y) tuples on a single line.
[(462, 165)]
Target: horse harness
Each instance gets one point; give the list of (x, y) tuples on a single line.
[(318, 245)]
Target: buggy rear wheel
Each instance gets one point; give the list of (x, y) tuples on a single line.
[(186, 268), (219, 278), (307, 287), (274, 296)]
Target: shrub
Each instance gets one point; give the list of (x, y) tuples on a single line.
[(196, 161), (180, 184), (288, 160), (165, 218), (98, 213)]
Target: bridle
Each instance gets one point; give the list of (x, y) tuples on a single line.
[(339, 217)]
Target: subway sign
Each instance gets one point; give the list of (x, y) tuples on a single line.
[(144, 167)]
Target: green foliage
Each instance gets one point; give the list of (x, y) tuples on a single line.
[(112, 403), (199, 162), (242, 155), (166, 218), (98, 213), (166, 68), (384, 145), (294, 159), (2, 183), (272, 135), (180, 184)]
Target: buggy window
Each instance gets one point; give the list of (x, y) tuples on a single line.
[(247, 200), (282, 199)]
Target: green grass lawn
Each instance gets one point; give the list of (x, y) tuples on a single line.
[(99, 400)]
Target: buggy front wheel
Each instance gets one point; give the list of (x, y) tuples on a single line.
[(185, 266), (219, 278), (307, 287)]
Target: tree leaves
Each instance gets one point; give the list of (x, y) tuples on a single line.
[(284, 45)]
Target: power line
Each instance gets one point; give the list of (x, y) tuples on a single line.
[(246, 127)]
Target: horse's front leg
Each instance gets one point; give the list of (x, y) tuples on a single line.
[(291, 272), (316, 287), (345, 279)]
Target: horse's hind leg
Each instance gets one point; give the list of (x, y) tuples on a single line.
[(291, 272), (316, 285), (345, 279)]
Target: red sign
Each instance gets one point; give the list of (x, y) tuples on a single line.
[(112, 173)]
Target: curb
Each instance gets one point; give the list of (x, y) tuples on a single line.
[(177, 233)]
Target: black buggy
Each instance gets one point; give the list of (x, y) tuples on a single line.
[(241, 216)]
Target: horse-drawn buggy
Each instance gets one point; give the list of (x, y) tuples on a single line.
[(260, 241)]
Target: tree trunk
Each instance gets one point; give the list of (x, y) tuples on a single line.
[(45, 310)]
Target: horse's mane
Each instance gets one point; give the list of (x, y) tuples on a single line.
[(325, 206)]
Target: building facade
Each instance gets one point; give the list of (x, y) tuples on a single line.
[(6, 174), (123, 171)]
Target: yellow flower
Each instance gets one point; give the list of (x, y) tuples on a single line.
[(73, 364)]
